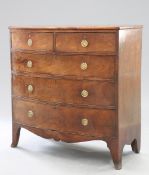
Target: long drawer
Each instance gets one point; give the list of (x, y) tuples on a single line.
[(85, 92), (101, 67), (65, 119)]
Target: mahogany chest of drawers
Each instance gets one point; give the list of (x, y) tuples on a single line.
[(78, 84)]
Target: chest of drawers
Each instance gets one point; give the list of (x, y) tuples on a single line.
[(78, 84)]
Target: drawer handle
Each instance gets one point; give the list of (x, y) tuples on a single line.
[(84, 122), (29, 64), (30, 114), (30, 88), (29, 42), (84, 43), (84, 93), (83, 66)]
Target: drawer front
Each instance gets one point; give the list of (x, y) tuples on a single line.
[(32, 41), (86, 42), (65, 119), (65, 91), (75, 65)]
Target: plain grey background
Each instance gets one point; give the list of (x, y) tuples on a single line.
[(68, 12)]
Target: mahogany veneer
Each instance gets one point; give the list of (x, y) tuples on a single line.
[(78, 84)]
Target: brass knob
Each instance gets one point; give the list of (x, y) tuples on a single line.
[(29, 42), (30, 114), (84, 93), (29, 64), (30, 88), (83, 66), (84, 43), (84, 122)]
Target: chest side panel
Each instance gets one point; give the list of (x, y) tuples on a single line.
[(129, 83)]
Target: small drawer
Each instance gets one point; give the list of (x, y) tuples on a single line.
[(65, 91), (32, 41), (86, 42), (65, 119), (81, 66)]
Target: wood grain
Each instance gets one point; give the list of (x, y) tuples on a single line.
[(129, 87), (63, 119), (65, 65), (99, 42), (67, 91), (40, 41)]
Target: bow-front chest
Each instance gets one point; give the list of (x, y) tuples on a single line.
[(78, 84)]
